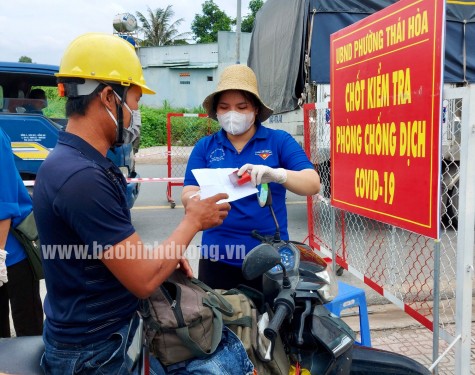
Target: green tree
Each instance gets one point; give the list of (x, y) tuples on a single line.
[(25, 59), (158, 28), (248, 22), (205, 27)]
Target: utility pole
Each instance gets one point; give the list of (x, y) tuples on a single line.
[(238, 32)]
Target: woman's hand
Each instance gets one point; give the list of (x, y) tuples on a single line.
[(262, 174), (303, 182)]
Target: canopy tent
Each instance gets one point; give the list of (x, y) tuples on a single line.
[(283, 29)]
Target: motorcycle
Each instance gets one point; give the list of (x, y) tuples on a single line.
[(297, 283)]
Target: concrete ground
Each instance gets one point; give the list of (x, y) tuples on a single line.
[(394, 330)]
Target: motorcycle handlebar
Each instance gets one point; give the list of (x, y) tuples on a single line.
[(274, 325)]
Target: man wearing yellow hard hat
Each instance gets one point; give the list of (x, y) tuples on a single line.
[(93, 286)]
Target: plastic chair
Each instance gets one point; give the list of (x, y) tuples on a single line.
[(350, 296)]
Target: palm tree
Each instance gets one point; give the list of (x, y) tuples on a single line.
[(157, 29)]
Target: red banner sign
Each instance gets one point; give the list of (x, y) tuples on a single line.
[(386, 82)]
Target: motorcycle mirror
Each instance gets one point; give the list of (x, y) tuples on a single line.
[(259, 260), (263, 195)]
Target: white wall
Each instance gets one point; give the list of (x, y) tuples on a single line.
[(184, 75)]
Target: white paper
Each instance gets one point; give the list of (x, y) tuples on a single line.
[(216, 180)]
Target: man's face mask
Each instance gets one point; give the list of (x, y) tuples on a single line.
[(236, 123), (133, 131)]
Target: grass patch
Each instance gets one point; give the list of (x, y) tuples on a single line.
[(186, 131)]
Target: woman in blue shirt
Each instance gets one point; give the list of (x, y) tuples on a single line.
[(270, 156), (19, 289)]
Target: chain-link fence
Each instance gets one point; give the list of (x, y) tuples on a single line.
[(183, 131), (395, 262)]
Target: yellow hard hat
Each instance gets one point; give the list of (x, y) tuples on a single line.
[(103, 57)]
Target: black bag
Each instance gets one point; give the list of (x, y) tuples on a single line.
[(27, 234)]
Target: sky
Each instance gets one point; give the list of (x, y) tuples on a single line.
[(43, 29)]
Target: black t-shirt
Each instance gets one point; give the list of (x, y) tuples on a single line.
[(80, 208)]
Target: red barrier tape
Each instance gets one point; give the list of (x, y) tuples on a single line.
[(141, 180)]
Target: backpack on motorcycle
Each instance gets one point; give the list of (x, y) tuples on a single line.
[(244, 323), (183, 319)]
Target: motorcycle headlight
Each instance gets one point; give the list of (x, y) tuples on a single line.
[(321, 270)]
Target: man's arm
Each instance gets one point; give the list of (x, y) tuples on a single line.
[(187, 192), (142, 275)]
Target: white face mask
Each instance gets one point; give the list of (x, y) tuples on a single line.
[(133, 131), (236, 123)]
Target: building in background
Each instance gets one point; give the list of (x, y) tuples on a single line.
[(184, 75)]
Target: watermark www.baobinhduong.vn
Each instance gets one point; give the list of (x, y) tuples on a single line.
[(142, 251)]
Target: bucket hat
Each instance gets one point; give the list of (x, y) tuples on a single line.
[(237, 77)]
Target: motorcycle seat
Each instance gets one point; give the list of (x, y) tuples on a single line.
[(21, 355)]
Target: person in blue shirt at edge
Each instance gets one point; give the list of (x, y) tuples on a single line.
[(270, 156), (80, 204), (18, 285)]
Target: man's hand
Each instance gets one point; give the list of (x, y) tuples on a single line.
[(207, 213), (262, 174), (3, 267)]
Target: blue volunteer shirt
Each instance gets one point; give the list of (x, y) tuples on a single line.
[(80, 208), (230, 241), (15, 202)]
